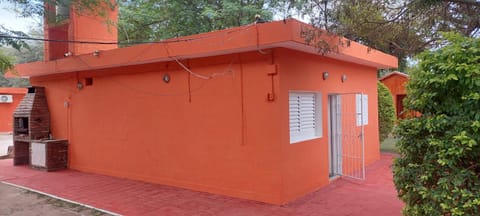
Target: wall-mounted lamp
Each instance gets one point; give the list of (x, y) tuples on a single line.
[(67, 54), (96, 53), (79, 85), (166, 78), (344, 77), (325, 75)]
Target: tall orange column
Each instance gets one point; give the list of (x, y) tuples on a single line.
[(74, 32)]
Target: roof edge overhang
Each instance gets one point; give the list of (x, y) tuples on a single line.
[(12, 90), (278, 34), (398, 73)]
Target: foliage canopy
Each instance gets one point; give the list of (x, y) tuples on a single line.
[(386, 111), (402, 28), (438, 172), (29, 8), (149, 20)]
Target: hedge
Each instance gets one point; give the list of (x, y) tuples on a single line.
[(438, 170)]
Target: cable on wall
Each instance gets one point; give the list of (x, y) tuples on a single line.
[(100, 42)]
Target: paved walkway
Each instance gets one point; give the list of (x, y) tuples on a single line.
[(374, 196)]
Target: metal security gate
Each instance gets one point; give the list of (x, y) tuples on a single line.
[(347, 117)]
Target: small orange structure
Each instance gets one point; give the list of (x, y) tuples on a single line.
[(9, 100), (62, 23), (396, 83), (251, 112)]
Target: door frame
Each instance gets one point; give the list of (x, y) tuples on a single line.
[(334, 139), (344, 151)]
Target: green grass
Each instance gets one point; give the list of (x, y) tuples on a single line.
[(388, 145)]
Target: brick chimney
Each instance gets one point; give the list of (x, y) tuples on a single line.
[(63, 23)]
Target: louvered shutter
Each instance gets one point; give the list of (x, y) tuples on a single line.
[(362, 109), (302, 110)]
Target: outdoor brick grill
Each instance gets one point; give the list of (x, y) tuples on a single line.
[(31, 125), (48, 155), (31, 119)]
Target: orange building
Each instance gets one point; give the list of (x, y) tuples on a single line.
[(9, 99), (251, 112), (396, 83)]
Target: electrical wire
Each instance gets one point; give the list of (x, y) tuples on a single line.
[(100, 42), (211, 76), (166, 41)]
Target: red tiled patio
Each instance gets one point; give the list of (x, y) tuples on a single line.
[(374, 196)]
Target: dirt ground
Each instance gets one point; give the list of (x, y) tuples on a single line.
[(15, 202)]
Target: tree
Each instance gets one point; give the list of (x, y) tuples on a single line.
[(438, 171), (28, 8), (6, 61), (386, 111), (150, 20), (9, 54), (34, 52), (399, 27), (13, 82)]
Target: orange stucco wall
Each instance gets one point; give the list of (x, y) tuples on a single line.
[(80, 27), (306, 164), (210, 135), (220, 135), (7, 109), (397, 85), (93, 28)]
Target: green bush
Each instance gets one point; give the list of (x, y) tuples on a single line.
[(438, 170), (386, 111)]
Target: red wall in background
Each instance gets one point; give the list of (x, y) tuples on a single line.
[(57, 50), (84, 32), (7, 109), (396, 83)]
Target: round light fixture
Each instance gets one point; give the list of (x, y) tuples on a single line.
[(79, 85), (166, 78), (325, 75)]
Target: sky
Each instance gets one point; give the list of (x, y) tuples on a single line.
[(9, 19)]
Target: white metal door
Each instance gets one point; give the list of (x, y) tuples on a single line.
[(346, 141)]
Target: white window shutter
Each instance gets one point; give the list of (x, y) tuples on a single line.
[(362, 109), (294, 108), (303, 116), (307, 114)]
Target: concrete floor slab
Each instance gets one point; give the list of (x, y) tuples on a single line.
[(374, 196)]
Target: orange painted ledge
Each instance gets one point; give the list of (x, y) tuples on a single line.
[(395, 73), (13, 90), (286, 34)]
